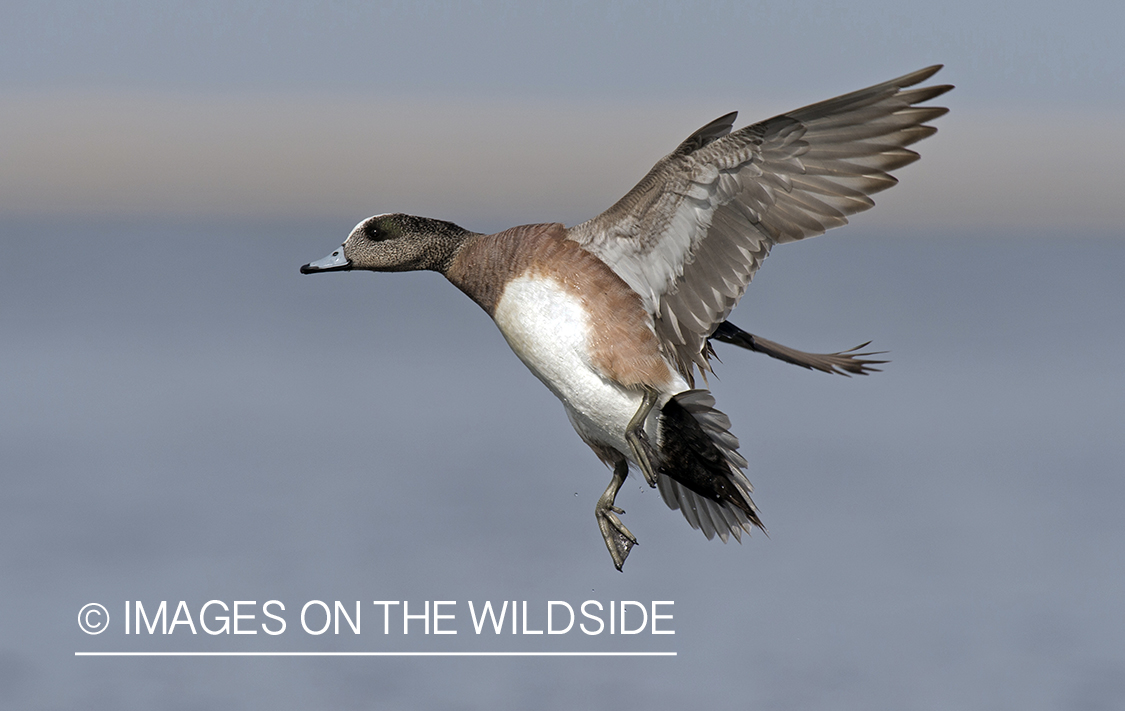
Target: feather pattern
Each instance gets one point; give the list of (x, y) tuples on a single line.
[(691, 235), (712, 517)]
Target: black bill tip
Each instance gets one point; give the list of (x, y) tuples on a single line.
[(335, 262)]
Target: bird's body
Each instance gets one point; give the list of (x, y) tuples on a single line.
[(556, 347), (614, 315), (594, 354)]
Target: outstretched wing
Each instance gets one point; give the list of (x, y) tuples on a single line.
[(690, 236)]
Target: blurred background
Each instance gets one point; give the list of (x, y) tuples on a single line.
[(183, 416)]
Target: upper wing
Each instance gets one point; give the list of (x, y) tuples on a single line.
[(690, 236)]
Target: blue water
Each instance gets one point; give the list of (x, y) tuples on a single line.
[(185, 417)]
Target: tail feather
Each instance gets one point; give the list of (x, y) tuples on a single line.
[(700, 471)]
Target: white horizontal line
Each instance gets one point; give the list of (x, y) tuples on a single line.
[(375, 654)]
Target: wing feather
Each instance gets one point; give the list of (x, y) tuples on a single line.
[(691, 235)]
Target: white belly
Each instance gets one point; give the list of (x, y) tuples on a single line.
[(548, 329)]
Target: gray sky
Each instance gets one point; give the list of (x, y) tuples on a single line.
[(499, 113)]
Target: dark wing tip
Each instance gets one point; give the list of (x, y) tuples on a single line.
[(921, 75), (926, 93)]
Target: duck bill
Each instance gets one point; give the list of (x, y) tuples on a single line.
[(335, 262)]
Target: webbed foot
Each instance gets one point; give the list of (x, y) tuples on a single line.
[(619, 540)]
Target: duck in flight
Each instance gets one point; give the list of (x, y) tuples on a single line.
[(615, 315)]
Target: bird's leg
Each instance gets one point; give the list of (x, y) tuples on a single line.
[(844, 362), (643, 451), (618, 539)]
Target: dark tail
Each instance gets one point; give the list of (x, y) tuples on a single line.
[(700, 468)]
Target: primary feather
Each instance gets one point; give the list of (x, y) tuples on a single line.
[(690, 236)]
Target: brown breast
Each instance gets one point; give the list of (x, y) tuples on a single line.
[(622, 342)]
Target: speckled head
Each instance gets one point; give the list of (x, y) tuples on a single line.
[(395, 243)]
